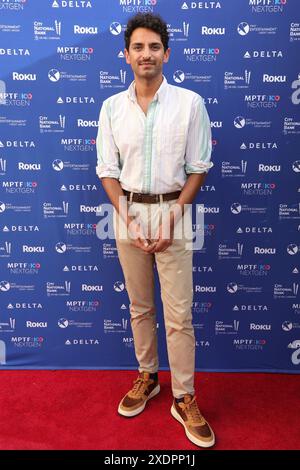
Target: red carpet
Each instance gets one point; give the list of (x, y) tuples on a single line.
[(77, 410)]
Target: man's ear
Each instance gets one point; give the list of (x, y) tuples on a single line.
[(127, 56), (167, 55)]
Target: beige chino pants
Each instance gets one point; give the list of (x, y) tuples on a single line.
[(174, 268)]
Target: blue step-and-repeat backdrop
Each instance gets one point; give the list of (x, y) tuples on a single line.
[(62, 293)]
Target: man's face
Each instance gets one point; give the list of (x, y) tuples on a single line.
[(146, 53)]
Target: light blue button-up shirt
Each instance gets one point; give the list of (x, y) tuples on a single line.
[(153, 153)]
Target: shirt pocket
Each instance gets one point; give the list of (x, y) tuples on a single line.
[(173, 141)]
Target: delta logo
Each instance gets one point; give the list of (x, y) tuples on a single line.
[(200, 5), (71, 4)]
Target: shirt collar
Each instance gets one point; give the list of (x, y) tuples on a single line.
[(159, 95)]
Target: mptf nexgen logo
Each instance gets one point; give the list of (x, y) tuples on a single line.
[(267, 6), (15, 99), (138, 6), (75, 53), (16, 5), (262, 101), (201, 54)]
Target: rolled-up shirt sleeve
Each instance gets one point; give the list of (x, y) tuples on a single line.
[(108, 157), (199, 144)]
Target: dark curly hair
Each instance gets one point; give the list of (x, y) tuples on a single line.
[(149, 21)]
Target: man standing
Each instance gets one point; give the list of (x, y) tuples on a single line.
[(154, 148)]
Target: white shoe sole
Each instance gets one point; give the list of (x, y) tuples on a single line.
[(190, 436), (130, 414)]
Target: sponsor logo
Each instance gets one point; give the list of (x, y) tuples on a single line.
[(233, 80), (138, 6), (267, 6), (201, 5), (85, 29), (201, 54), (263, 54), (72, 4)]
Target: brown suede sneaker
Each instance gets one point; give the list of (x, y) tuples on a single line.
[(196, 427), (135, 400)]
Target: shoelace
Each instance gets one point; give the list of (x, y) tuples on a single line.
[(140, 385), (193, 412)]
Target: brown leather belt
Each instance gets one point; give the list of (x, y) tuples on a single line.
[(151, 198)]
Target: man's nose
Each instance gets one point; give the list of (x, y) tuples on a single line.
[(146, 53)]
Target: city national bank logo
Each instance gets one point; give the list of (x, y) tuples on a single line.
[(283, 292), (233, 80), (27, 341), (12, 5), (71, 4), (70, 53), (263, 54), (229, 169), (291, 211), (48, 125), (111, 326), (5, 249), (244, 28), (42, 31), (15, 99), (3, 163), (294, 32), (222, 328), (295, 357), (108, 80), (179, 33), (291, 126), (51, 210), (228, 252), (58, 290), (267, 6), (200, 5), (201, 54), (138, 6), (8, 326), (55, 75)]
